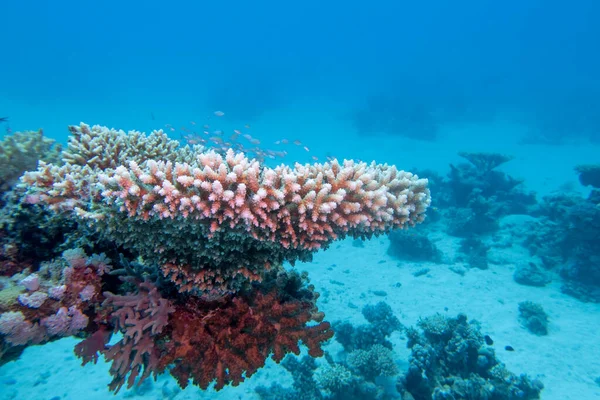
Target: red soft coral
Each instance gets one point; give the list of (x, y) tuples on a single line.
[(231, 339), (140, 317), (222, 341)]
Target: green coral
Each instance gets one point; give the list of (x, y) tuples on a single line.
[(21, 152), (334, 378), (374, 362)]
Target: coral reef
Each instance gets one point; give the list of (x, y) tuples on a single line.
[(530, 274), (360, 371), (382, 323), (566, 238), (533, 317), (475, 195), (54, 302), (413, 247), (186, 247), (21, 151), (450, 360), (589, 175), (197, 217)]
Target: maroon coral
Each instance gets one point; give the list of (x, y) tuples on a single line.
[(140, 317), (205, 341), (231, 339)]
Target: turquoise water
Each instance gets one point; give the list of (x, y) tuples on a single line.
[(405, 83)]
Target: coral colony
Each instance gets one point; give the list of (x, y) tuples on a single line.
[(181, 251)]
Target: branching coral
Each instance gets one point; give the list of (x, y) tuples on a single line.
[(21, 152), (217, 222), (449, 359), (200, 237), (202, 340)]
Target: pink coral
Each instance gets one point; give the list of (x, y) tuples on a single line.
[(304, 207), (214, 221), (33, 300), (57, 292), (65, 322), (18, 331), (87, 293), (31, 282)]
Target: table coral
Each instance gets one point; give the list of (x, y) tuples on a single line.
[(197, 240)]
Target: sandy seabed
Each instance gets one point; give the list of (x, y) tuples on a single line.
[(567, 360)]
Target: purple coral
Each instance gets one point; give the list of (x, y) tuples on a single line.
[(65, 322), (31, 282), (33, 300), (18, 331)]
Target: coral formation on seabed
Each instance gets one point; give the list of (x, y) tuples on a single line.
[(181, 251)]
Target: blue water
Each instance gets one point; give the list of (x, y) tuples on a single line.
[(516, 77)]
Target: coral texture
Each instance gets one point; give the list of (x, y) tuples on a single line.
[(197, 241), (21, 152), (205, 341), (213, 221), (450, 360)]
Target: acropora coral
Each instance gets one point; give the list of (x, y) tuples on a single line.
[(193, 278)]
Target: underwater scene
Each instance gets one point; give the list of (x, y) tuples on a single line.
[(309, 200)]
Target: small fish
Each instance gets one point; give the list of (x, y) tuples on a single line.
[(206, 126), (192, 122), (219, 113), (255, 141), (247, 126), (247, 137), (488, 340), (306, 148), (297, 142), (315, 158), (152, 116), (3, 119), (237, 131), (284, 141), (509, 348)]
